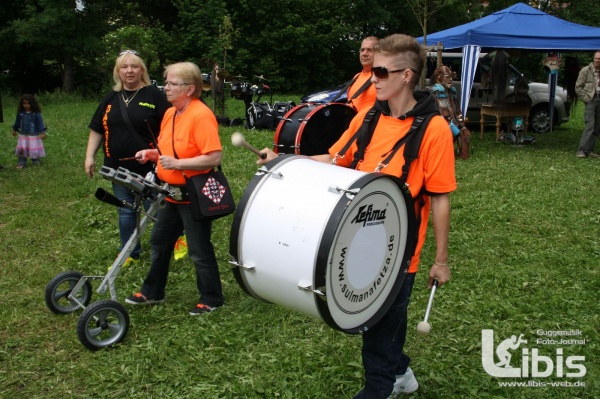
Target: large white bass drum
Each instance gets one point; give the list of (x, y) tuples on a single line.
[(330, 242)]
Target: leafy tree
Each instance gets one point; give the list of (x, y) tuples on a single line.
[(197, 30), (299, 45), (226, 35), (13, 56), (424, 10), (302, 45), (58, 33)]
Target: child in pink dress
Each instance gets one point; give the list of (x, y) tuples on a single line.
[(30, 127)]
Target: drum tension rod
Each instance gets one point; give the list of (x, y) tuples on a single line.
[(336, 190), (308, 287), (234, 263), (275, 175)]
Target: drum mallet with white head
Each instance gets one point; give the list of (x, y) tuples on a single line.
[(238, 140), (424, 327)]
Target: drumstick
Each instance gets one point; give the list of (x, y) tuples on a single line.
[(130, 158), (424, 327), (154, 142), (237, 139)]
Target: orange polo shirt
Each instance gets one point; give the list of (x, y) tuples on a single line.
[(196, 133), (367, 98), (432, 171)]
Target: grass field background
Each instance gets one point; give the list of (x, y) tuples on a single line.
[(524, 254)]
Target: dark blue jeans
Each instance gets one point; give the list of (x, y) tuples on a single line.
[(382, 353), (127, 218), (170, 224)]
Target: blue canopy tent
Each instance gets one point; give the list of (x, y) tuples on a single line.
[(517, 27)]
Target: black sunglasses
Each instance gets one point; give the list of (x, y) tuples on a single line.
[(383, 73)]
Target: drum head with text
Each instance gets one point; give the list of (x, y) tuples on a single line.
[(365, 253)]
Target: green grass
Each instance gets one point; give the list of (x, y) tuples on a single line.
[(524, 253)]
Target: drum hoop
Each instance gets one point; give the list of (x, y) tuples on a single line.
[(282, 123), (329, 234), (299, 131), (239, 216)]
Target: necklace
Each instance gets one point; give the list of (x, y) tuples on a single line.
[(126, 99), (183, 109)]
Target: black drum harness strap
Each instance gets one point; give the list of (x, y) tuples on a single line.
[(362, 88), (413, 140), (364, 134)]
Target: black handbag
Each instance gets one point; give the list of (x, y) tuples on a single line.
[(209, 193)]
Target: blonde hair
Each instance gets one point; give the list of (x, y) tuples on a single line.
[(410, 52), (189, 73), (129, 55)]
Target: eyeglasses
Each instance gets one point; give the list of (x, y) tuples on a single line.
[(167, 83), (382, 73), (128, 52)]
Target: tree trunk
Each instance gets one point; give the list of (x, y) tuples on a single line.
[(68, 81)]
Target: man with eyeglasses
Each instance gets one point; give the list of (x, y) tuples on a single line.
[(361, 93), (398, 62), (587, 88)]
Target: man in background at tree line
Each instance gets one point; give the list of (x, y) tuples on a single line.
[(587, 88), (362, 89)]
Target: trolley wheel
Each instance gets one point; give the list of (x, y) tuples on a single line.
[(60, 287), (102, 324)]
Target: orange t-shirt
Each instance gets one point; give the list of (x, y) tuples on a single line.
[(432, 172), (196, 133), (367, 98)]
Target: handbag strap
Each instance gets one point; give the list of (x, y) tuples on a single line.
[(175, 152), (128, 123)]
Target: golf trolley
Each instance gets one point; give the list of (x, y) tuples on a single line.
[(106, 322)]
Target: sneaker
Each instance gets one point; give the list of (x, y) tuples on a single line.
[(181, 248), (128, 262), (140, 299), (20, 166), (405, 383), (580, 154), (593, 155), (201, 309)]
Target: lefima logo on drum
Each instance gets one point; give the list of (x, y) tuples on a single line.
[(369, 216)]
